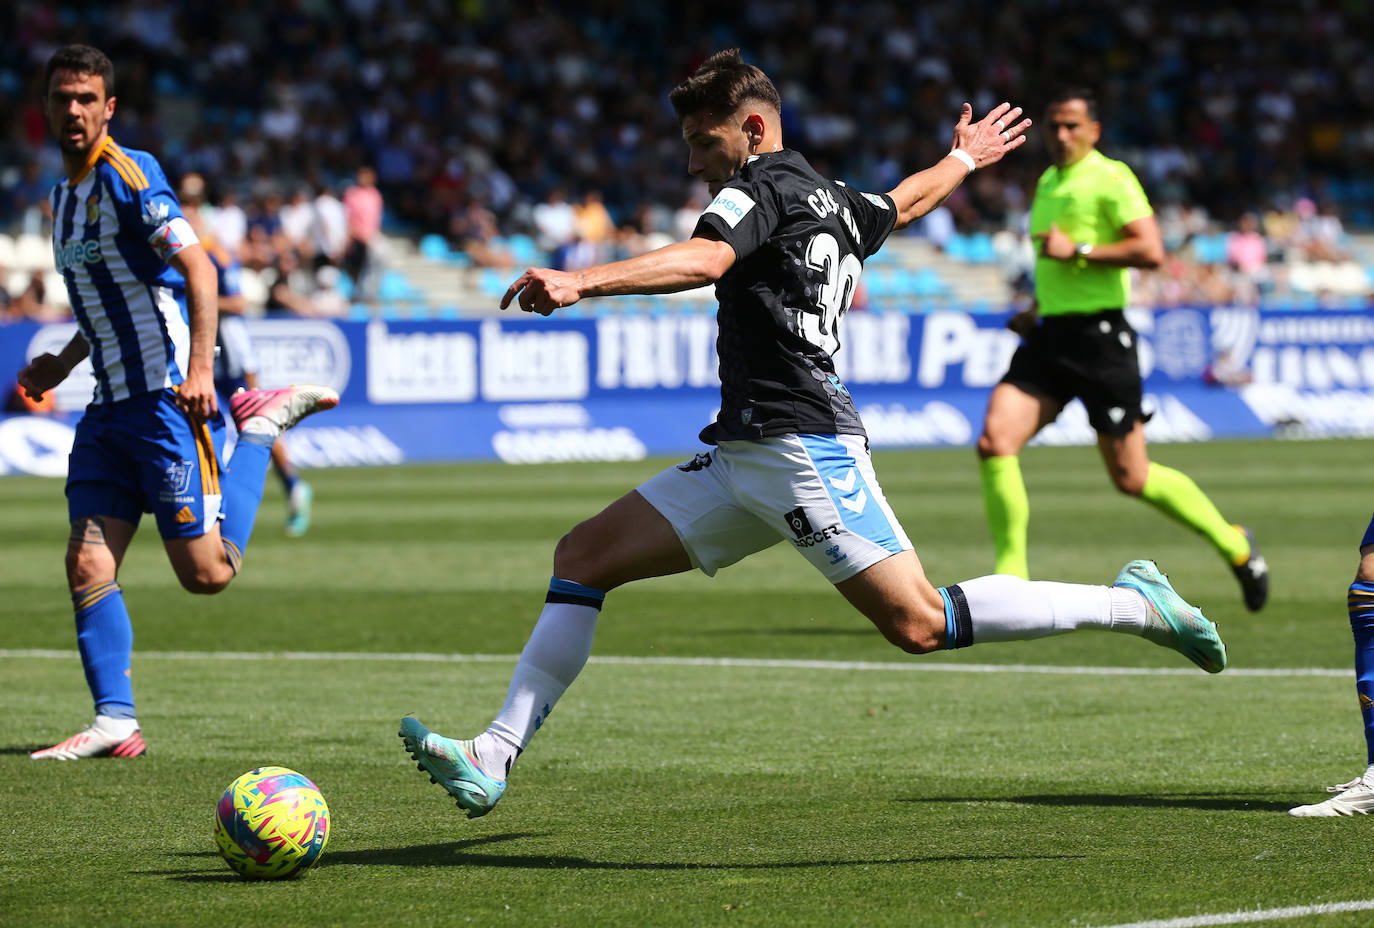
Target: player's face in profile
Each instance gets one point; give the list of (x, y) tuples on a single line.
[(78, 110), (717, 148), (1070, 132)]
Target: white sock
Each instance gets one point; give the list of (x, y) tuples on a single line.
[(1006, 608), (119, 729), (555, 654)]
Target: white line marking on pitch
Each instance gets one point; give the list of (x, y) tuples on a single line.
[(746, 662), (1254, 915)]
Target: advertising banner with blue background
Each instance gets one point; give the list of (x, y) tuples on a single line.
[(626, 385)]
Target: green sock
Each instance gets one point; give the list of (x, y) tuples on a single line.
[(1008, 509), (1175, 494)]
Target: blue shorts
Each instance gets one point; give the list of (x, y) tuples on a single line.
[(142, 455)]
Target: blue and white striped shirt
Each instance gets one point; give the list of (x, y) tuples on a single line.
[(114, 227)]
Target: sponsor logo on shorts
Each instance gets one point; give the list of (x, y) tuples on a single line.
[(798, 522), (833, 552), (185, 516), (808, 536)]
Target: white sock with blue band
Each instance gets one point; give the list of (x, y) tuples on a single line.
[(1001, 607), (553, 657)]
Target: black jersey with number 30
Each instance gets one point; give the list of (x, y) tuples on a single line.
[(799, 241)]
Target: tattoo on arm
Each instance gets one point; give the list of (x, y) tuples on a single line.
[(88, 530)]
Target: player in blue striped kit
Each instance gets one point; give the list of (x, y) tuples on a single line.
[(1357, 796), (144, 295)]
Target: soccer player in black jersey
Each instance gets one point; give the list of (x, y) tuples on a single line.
[(784, 247)]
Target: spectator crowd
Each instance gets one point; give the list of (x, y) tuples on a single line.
[(316, 124)]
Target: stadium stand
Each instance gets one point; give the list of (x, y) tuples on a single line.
[(473, 123)]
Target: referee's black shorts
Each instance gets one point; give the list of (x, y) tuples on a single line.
[(1091, 356)]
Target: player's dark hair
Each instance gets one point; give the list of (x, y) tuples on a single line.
[(1070, 92), (80, 59), (721, 85)]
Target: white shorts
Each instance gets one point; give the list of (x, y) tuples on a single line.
[(817, 492)]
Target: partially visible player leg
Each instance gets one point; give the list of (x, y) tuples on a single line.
[(104, 635), (1357, 796), (1177, 496), (299, 495), (1013, 417)]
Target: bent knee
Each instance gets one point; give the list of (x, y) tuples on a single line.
[(571, 560), (914, 634), (207, 581), (1129, 484), (990, 447)]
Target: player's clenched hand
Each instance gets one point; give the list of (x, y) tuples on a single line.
[(997, 133), (196, 395), (42, 374), (542, 290)]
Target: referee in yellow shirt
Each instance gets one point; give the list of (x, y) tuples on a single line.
[(1091, 221)]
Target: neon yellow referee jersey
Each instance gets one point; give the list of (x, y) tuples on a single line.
[(1090, 201)]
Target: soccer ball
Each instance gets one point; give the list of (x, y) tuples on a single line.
[(271, 824)]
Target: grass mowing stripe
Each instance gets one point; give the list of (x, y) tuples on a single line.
[(742, 662), (1259, 915)]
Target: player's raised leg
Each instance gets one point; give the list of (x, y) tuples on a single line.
[(104, 633), (261, 416)]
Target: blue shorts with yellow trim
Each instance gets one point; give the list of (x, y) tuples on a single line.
[(142, 455)]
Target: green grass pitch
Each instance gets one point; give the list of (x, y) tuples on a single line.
[(673, 793)]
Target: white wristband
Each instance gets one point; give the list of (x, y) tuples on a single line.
[(964, 157)]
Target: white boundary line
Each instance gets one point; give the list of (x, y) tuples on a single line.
[(745, 662), (1254, 915)]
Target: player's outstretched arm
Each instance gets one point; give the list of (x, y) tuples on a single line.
[(681, 266), (976, 145), (48, 370)]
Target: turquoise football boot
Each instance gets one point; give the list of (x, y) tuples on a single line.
[(452, 765), (1174, 623), (298, 509)]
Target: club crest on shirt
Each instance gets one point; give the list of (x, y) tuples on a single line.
[(92, 209)]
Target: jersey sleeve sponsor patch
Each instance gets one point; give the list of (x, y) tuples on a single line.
[(732, 205), (876, 200), (172, 236)]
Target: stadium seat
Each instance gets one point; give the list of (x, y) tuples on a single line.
[(6, 251), (491, 282), (525, 251), (981, 249), (434, 247), (1210, 249)]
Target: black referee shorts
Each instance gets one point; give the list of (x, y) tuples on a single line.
[(1091, 356)]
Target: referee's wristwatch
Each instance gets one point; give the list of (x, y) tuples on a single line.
[(1081, 251)]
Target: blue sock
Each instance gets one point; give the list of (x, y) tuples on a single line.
[(1360, 604), (105, 637), (241, 485)]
